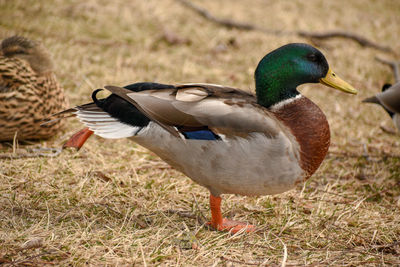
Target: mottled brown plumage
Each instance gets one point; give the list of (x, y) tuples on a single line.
[(29, 91)]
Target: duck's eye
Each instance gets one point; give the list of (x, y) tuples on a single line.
[(312, 57)]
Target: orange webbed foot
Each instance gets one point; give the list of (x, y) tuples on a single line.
[(224, 224), (233, 226)]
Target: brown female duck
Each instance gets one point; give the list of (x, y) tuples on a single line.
[(29, 91)]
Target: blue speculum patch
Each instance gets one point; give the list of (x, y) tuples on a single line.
[(201, 135)]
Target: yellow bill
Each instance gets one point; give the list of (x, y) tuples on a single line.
[(332, 80)]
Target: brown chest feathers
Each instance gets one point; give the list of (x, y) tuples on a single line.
[(311, 129)]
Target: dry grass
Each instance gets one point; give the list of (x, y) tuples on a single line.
[(114, 203)]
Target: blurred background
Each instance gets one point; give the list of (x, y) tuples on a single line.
[(100, 42)]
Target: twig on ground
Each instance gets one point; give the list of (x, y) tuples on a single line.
[(182, 213), (62, 216), (107, 207), (27, 259), (154, 166), (186, 214), (347, 35), (355, 155), (394, 65), (335, 194), (383, 191), (33, 153), (385, 246), (388, 130), (312, 35), (226, 22), (199, 210)]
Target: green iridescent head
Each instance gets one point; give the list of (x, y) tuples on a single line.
[(280, 72)]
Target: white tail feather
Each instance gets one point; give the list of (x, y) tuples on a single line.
[(102, 124)]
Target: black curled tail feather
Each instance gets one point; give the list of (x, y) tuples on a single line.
[(120, 109), (94, 98)]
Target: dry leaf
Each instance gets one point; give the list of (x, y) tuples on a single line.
[(35, 242)]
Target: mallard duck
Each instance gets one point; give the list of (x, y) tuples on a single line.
[(29, 91), (225, 139), (389, 99)]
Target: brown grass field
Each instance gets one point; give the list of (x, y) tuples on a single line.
[(115, 204)]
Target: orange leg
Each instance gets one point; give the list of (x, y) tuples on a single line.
[(223, 224), (78, 139)]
